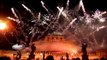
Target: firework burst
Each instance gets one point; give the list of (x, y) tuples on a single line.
[(82, 28)]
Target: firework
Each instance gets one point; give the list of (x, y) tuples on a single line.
[(81, 28)]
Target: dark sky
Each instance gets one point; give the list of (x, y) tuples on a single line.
[(35, 5), (5, 5)]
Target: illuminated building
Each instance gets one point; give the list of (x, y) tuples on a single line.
[(57, 46)]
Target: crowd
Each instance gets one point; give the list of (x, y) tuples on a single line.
[(50, 57)]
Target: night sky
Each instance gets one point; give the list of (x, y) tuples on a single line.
[(35, 5), (5, 5)]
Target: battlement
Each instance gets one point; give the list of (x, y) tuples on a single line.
[(52, 38)]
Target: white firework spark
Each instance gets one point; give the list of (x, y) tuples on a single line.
[(13, 11), (81, 27), (43, 5)]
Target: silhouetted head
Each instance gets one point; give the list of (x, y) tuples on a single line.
[(50, 57), (95, 59), (73, 58), (77, 59), (5, 58), (102, 58)]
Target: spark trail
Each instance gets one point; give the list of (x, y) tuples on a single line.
[(28, 10), (81, 27), (43, 5), (69, 25)]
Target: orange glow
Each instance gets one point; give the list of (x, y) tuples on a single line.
[(3, 25), (6, 24)]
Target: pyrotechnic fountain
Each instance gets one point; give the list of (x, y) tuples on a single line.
[(82, 28)]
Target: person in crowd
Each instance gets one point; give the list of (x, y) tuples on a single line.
[(62, 58), (50, 57), (5, 58), (102, 58), (77, 58)]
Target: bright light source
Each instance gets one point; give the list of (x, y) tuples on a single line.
[(102, 20), (3, 26), (17, 47), (41, 54), (72, 54)]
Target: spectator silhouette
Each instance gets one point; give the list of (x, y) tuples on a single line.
[(37, 59), (50, 57), (5, 58), (61, 58), (102, 58), (77, 59), (95, 59), (73, 58)]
